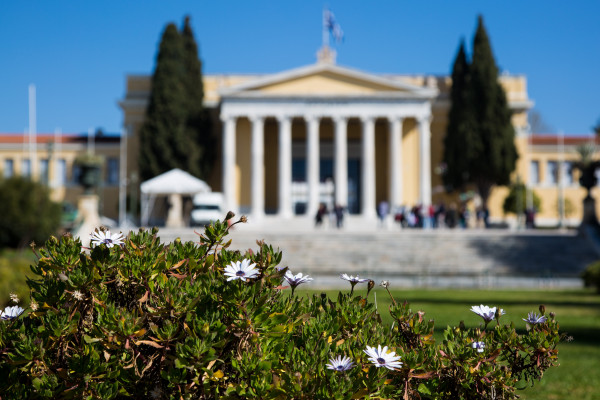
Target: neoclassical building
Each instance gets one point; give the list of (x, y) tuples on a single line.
[(329, 134), (321, 133)]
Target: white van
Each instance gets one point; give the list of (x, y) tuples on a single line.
[(207, 207)]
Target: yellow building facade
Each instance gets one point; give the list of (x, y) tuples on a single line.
[(324, 133), (50, 159)]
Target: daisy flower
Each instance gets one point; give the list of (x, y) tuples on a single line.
[(533, 318), (77, 295), (241, 270), (383, 358), (479, 346), (11, 313), (99, 237), (340, 364), (353, 280), (485, 312), (295, 280)]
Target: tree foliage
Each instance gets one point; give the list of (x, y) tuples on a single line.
[(480, 142), (147, 319), (28, 212), (516, 200), (175, 133)]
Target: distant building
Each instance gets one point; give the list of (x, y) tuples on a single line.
[(50, 159), (317, 134), (326, 133)]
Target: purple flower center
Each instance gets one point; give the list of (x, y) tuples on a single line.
[(240, 273), (107, 241), (340, 367), (381, 360)]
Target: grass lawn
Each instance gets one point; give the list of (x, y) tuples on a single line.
[(578, 312)]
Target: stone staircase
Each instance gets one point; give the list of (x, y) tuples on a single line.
[(421, 258)]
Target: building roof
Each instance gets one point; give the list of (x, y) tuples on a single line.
[(44, 138), (554, 139)]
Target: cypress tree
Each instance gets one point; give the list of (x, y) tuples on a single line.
[(458, 142), (198, 124), (496, 154), (176, 128), (164, 124), (479, 146)]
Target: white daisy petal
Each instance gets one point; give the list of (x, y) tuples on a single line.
[(383, 357), (533, 318), (295, 280), (11, 313), (340, 364), (241, 270)]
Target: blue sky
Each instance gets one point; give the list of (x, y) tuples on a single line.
[(78, 54)]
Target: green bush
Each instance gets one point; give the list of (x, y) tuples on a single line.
[(591, 275), (14, 270), (171, 321), (516, 200), (28, 214)]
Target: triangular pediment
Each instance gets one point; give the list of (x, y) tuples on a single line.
[(325, 80)]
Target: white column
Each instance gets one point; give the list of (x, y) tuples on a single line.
[(229, 181), (312, 165), (395, 161), (258, 168), (341, 161), (285, 167), (368, 167), (425, 160)]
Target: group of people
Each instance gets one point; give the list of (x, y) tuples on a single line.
[(337, 213), (436, 216), (418, 216)]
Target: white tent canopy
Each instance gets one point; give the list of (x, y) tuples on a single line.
[(174, 181)]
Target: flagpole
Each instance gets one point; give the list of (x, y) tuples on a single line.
[(32, 131), (325, 29)]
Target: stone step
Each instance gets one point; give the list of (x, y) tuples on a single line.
[(476, 257)]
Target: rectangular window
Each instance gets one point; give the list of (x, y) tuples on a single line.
[(26, 168), (112, 171), (568, 173), (61, 172), (9, 168), (534, 173), (75, 175), (44, 172), (552, 173)]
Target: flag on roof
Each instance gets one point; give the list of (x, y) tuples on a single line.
[(332, 26)]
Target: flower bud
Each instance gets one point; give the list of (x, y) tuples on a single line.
[(542, 309), (370, 285), (552, 315), (385, 284), (243, 219), (230, 214)]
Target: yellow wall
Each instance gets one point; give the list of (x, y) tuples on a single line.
[(410, 162), (243, 162), (324, 83)]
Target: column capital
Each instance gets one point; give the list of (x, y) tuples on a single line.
[(228, 117), (256, 118), (368, 118), (424, 119), (284, 117)]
